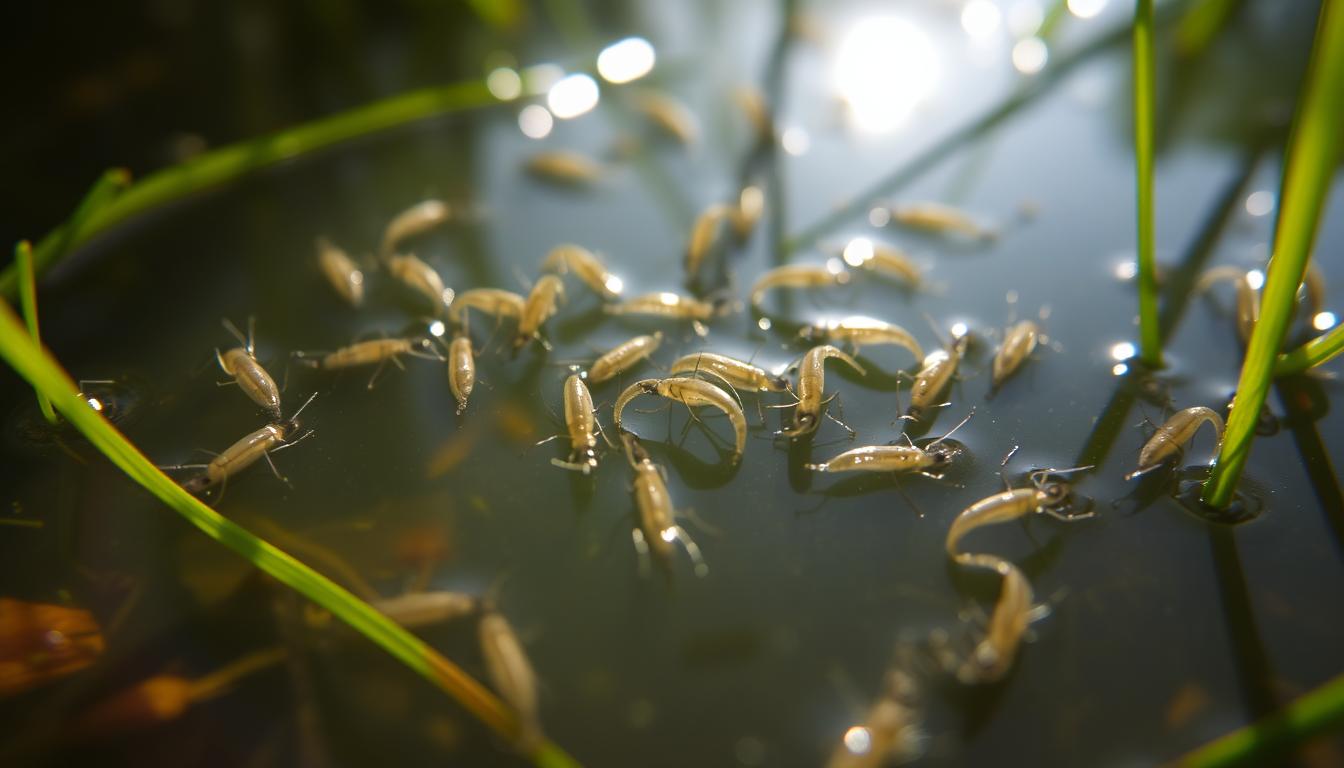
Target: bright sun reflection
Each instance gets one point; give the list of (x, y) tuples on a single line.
[(1126, 270), (535, 121), (1324, 321), (1086, 9), (1122, 351), (614, 284), (885, 67), (858, 251), (795, 141), (1025, 17), (1259, 202), (764, 324), (572, 96), (959, 330), (879, 217), (626, 60), (1256, 279), (1120, 369), (1030, 55), (858, 740), (980, 19), (437, 328)]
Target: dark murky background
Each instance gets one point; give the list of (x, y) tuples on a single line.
[(1169, 630)]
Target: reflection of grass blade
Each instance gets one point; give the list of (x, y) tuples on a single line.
[(1311, 354), (23, 261), (1310, 715), (1150, 342), (1313, 150), (226, 164), (46, 376)]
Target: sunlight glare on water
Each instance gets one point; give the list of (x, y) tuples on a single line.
[(1324, 321), (535, 121), (1086, 9), (886, 66), (573, 96), (1030, 55), (981, 19), (626, 60), (858, 740)]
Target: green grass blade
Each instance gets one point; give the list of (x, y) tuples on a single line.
[(1201, 25), (1309, 716), (45, 374), (1150, 340), (23, 262), (1313, 150), (226, 164), (1311, 354)]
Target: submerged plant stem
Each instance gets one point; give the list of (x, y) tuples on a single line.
[(1299, 721), (1313, 353), (1150, 340), (1313, 151), (226, 164), (45, 374), (23, 262)]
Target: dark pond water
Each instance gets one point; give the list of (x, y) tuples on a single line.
[(1167, 630)]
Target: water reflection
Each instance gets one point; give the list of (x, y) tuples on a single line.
[(504, 84), (1030, 55), (572, 96), (1324, 321), (885, 67), (981, 19), (1086, 9), (535, 121), (626, 60)]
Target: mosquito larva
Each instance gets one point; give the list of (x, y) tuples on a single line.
[(241, 363), (704, 233), (862, 331), (670, 115), (541, 303), (1170, 438), (811, 387), (940, 219), (751, 101), (668, 304), (564, 167), (890, 732), (1014, 611), (511, 674), (936, 373), (797, 276), (692, 393), (416, 220), (623, 357), (1247, 295), (247, 451), (1018, 344), (421, 278), (750, 208), (581, 423), (420, 609), (370, 352), (461, 370), (345, 277), (739, 374), (657, 529), (926, 460), (496, 302), (584, 264), (887, 260)]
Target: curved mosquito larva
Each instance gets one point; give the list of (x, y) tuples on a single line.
[(421, 278), (751, 101), (1018, 344), (739, 374), (1170, 438), (496, 302), (461, 370), (623, 357), (241, 363), (797, 276), (345, 277), (588, 268), (1247, 296), (671, 116), (657, 528), (1014, 611), (564, 167), (511, 674), (811, 387), (693, 393), (704, 233), (581, 423), (894, 262), (416, 220), (940, 219), (541, 303), (862, 331)]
